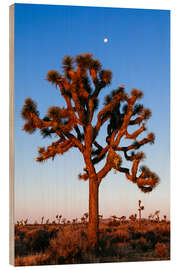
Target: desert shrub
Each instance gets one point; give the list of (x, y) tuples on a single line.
[(131, 229), (120, 236), (140, 243), (106, 245), (37, 259), (161, 250), (136, 235), (37, 240), (133, 244), (40, 241), (165, 230), (113, 223), (83, 235), (151, 238), (162, 230), (67, 247), (20, 233), (21, 247), (124, 236), (53, 233)]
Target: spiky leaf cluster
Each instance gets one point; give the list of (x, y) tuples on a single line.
[(29, 108), (53, 76)]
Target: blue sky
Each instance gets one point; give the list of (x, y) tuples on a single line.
[(137, 52)]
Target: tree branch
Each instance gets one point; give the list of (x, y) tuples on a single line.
[(59, 147), (137, 144), (101, 155), (136, 133), (105, 113), (104, 171)]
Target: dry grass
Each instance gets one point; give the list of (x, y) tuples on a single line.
[(64, 244)]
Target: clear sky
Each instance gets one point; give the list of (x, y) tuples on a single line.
[(138, 53)]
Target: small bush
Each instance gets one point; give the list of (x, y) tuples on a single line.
[(142, 244), (21, 247), (136, 235), (123, 236), (161, 250), (38, 259), (106, 245), (68, 247), (37, 240)]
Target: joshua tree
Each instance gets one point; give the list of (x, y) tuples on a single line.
[(122, 219), (133, 217), (165, 218), (25, 221), (115, 220), (141, 207), (156, 215), (77, 125), (83, 220), (35, 222), (47, 221), (74, 221), (59, 218), (21, 222), (150, 217), (42, 220), (64, 221), (53, 222)]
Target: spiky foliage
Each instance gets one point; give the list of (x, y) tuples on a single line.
[(80, 83)]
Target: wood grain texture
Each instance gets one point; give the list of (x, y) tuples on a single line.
[(11, 134)]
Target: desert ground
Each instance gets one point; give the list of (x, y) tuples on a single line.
[(65, 242)]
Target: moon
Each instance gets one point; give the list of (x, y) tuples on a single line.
[(105, 40)]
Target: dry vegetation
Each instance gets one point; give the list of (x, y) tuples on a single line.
[(65, 242)]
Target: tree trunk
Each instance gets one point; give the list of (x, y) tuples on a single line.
[(93, 225)]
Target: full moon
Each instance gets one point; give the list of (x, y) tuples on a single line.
[(105, 40)]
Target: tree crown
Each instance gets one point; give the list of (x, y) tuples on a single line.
[(81, 81)]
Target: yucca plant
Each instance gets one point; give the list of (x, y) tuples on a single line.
[(140, 209), (74, 126)]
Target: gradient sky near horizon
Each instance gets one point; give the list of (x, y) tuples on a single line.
[(138, 53)]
